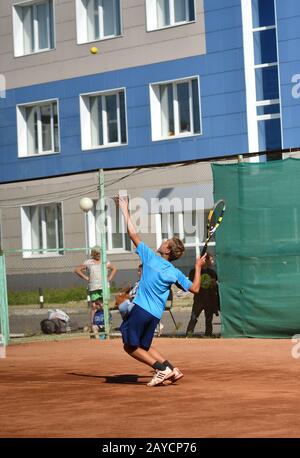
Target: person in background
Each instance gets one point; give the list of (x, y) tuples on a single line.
[(99, 322), (90, 271), (207, 299)]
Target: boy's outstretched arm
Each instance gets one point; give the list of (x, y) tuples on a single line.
[(195, 288), (122, 202)]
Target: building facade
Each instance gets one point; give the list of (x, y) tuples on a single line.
[(169, 82)]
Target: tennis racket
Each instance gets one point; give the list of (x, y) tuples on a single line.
[(214, 220)]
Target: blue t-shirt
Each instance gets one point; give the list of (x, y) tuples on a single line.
[(158, 275)]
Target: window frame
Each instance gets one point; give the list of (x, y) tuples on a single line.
[(22, 129), (156, 111), (18, 28), (26, 232), (85, 120)]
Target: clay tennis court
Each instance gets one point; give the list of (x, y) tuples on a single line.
[(91, 388)]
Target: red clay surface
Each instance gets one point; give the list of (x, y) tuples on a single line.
[(91, 388)]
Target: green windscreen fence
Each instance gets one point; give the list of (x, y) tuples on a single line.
[(258, 248)]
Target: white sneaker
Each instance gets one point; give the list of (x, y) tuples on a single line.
[(160, 376), (177, 375)]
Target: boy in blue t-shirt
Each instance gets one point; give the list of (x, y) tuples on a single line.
[(157, 278)]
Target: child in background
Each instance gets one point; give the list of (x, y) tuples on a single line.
[(98, 322)]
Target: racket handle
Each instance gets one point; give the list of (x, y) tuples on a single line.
[(204, 250)]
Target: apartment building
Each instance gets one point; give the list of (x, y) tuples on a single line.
[(172, 82)]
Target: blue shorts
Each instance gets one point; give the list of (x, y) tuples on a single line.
[(138, 328)]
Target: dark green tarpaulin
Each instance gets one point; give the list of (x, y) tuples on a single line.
[(258, 248)]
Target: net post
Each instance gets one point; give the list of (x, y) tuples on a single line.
[(105, 286), (3, 302)]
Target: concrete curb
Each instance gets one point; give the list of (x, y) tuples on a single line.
[(19, 311)]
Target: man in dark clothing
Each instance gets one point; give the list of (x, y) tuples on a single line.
[(207, 299)]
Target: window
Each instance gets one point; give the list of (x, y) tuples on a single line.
[(103, 119), (263, 12), (166, 13), (97, 19), (265, 47), (117, 238), (175, 109), (33, 27), (266, 79), (171, 225), (38, 130), (267, 109), (42, 229), (269, 132), (190, 227)]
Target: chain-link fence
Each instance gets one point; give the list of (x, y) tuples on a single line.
[(41, 281)]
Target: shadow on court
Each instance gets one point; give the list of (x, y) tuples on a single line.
[(122, 378)]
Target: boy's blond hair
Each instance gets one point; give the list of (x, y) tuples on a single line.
[(176, 248)]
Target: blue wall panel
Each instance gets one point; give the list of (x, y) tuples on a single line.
[(287, 9), (211, 5), (223, 19), (7, 117)]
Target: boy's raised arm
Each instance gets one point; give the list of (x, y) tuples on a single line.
[(122, 202), (195, 288)]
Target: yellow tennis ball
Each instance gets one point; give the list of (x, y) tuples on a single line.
[(94, 50)]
